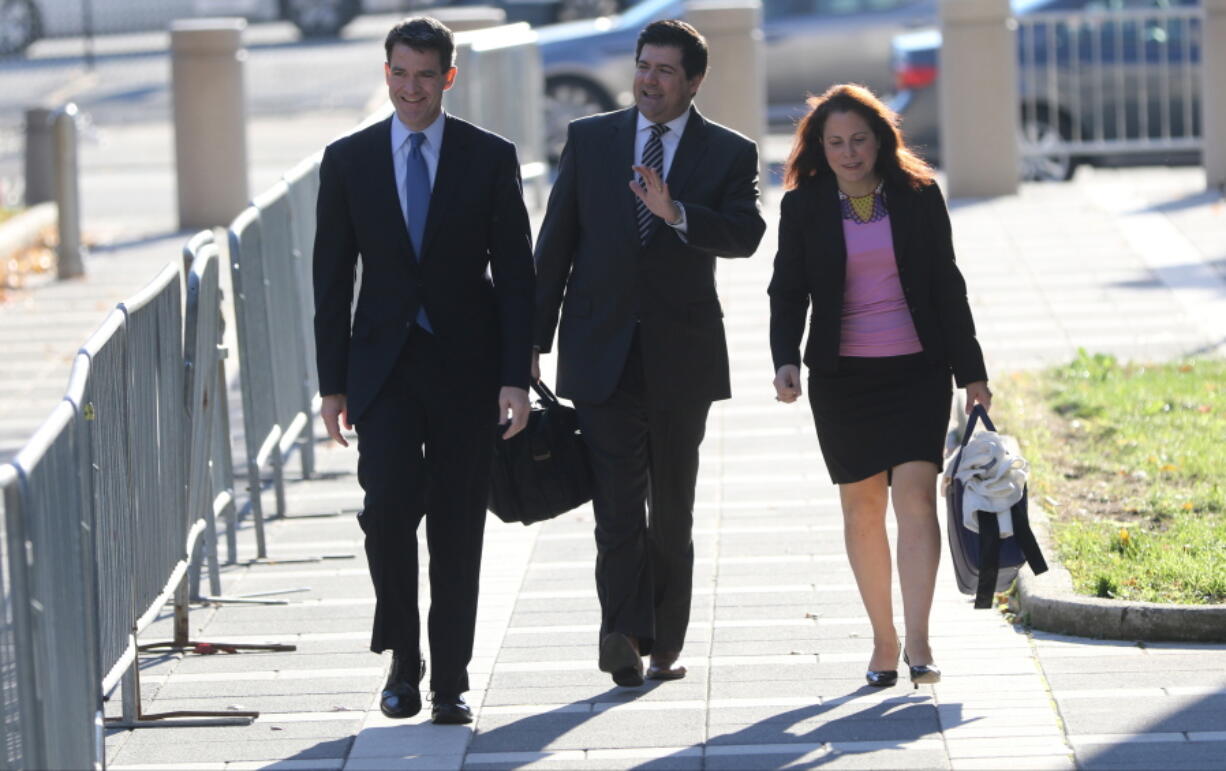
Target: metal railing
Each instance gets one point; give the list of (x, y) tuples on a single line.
[(49, 540), (1110, 82)]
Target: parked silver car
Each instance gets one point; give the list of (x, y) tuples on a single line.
[(810, 45), (1099, 81)]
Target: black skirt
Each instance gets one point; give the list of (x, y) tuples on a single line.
[(874, 413)]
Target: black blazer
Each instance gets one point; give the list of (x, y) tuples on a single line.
[(589, 250), (812, 263), (477, 220)]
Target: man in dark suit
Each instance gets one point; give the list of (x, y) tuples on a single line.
[(429, 202), (644, 201)]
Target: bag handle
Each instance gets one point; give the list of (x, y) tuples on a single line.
[(543, 391), (978, 413)]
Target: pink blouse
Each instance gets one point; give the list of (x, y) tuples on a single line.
[(876, 321)]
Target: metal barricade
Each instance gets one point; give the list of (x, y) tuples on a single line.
[(210, 489), (210, 486), (501, 88), (303, 184), (60, 592), (152, 430), (20, 733), (1110, 82), (261, 434), (99, 387), (286, 307)]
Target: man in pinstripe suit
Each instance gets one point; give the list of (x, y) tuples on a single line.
[(646, 198)]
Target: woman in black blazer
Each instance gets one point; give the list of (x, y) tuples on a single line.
[(864, 235)]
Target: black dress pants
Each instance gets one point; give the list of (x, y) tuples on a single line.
[(645, 464), (424, 450)]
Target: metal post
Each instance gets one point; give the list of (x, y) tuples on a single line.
[(978, 94), (1213, 99), (39, 156), (68, 193), (87, 17), (210, 120)]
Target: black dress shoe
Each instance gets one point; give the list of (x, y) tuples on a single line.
[(619, 656), (401, 696), (450, 710)]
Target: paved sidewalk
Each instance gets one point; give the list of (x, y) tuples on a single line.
[(778, 641)]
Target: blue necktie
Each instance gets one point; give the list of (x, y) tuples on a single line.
[(417, 200)]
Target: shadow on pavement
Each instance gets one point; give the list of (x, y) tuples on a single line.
[(1189, 738), (893, 723)]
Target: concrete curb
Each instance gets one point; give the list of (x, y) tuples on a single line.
[(1049, 603), (24, 229)]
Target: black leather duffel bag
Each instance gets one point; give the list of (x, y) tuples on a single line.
[(542, 471)]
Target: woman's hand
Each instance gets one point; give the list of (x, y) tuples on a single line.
[(978, 393), (787, 384)]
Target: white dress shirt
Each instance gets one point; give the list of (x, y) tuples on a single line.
[(670, 140), (430, 150)]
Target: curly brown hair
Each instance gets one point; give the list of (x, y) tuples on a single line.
[(895, 161)]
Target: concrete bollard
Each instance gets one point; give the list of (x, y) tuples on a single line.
[(1213, 98), (210, 116), (69, 253), (462, 18), (39, 156), (734, 91), (978, 95)]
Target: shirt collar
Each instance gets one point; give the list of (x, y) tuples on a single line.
[(433, 132), (676, 126)]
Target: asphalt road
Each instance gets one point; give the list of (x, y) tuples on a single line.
[(130, 80)]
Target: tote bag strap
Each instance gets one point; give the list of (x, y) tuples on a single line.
[(977, 414), (543, 391)]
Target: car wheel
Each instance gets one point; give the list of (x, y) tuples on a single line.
[(570, 10), (320, 18), (1048, 135), (20, 26), (568, 98)]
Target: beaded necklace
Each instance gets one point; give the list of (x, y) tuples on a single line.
[(864, 209)]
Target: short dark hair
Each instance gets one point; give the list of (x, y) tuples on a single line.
[(678, 34), (422, 33)]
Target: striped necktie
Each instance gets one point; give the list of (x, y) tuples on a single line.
[(653, 157)]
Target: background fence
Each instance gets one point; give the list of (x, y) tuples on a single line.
[(1107, 82)]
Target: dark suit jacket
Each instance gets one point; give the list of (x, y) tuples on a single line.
[(477, 220), (589, 250), (812, 263)]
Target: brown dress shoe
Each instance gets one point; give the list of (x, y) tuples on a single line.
[(665, 667), (619, 656)]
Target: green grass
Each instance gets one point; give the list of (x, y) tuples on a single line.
[(1131, 462)]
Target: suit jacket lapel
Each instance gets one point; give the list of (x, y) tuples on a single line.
[(621, 163), (386, 198), (829, 223), (690, 151), (448, 179), (896, 202)]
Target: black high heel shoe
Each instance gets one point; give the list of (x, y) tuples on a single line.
[(881, 678), (922, 674)]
